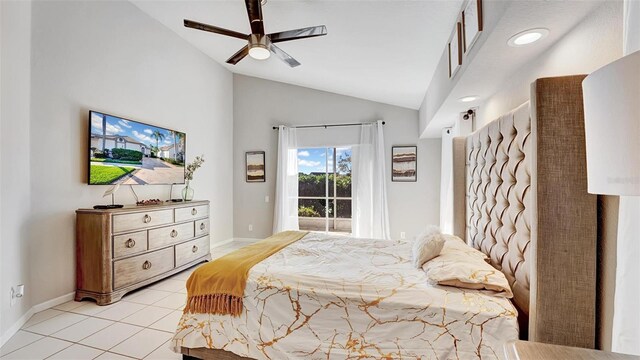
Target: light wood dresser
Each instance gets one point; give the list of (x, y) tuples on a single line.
[(120, 250)]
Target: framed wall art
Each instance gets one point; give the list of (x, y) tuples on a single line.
[(255, 169), (455, 50), (471, 23), (404, 160)]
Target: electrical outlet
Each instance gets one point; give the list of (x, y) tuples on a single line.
[(20, 291), (403, 235), (250, 227), (266, 199), (16, 293)]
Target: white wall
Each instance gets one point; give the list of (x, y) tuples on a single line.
[(106, 56), (593, 43), (260, 104), (15, 87)]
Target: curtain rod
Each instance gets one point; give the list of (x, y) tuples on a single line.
[(325, 126)]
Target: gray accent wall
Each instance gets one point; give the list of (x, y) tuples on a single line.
[(261, 104), (59, 60)]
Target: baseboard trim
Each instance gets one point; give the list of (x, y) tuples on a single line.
[(16, 326), (27, 315), (54, 302), (247, 239), (220, 243)]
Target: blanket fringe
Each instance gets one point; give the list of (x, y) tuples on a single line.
[(217, 304)]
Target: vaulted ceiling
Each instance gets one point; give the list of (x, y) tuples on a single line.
[(384, 51)]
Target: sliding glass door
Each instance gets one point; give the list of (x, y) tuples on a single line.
[(324, 189)]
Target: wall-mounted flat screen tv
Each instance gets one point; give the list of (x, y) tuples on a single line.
[(127, 152)]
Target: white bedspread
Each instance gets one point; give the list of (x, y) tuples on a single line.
[(333, 297)]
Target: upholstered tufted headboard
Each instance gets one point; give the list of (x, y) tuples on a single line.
[(520, 196), (499, 206)]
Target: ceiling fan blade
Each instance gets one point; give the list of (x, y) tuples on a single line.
[(214, 29), (254, 10), (283, 55), (235, 58), (297, 34)]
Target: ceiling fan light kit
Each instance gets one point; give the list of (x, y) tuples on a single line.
[(260, 45)]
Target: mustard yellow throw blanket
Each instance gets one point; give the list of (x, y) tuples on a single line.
[(218, 287)]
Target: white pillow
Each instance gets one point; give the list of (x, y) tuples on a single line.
[(427, 245), (462, 266)]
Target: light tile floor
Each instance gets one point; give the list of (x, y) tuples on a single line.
[(137, 327)]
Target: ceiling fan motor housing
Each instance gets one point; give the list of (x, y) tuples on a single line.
[(259, 46)]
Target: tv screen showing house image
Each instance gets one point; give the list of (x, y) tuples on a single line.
[(127, 152)]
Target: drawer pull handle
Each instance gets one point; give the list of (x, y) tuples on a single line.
[(147, 218), (146, 265), (194, 211), (174, 233), (194, 249), (202, 226), (130, 243)]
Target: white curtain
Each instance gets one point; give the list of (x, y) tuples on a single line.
[(446, 182), (285, 216), (369, 210), (626, 317), (461, 127)]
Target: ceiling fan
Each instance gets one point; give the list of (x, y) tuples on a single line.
[(260, 45)]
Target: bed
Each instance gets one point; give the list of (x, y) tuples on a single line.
[(520, 198), (342, 297)]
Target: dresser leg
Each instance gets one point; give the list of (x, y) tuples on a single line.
[(100, 299)]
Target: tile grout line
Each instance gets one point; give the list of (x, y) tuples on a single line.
[(96, 317), (104, 351)]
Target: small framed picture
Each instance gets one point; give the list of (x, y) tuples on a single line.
[(255, 166), (455, 53), (404, 160), (471, 23)]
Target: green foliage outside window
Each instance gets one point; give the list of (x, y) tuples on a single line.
[(313, 185)]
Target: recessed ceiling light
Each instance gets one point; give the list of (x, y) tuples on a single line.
[(468, 98), (527, 37)]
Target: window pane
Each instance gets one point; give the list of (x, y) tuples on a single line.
[(344, 209), (343, 156), (311, 185), (343, 170), (311, 215), (311, 207), (342, 222), (343, 185), (311, 172)]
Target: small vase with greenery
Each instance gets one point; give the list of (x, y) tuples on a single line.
[(187, 192)]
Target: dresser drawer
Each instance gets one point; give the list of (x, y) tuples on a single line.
[(141, 220), (190, 213), (139, 268), (202, 227), (170, 234), (129, 244), (192, 250)]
